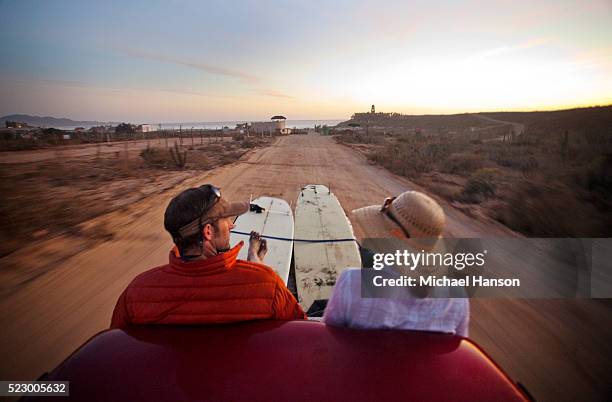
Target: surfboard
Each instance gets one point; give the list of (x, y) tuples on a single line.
[(274, 223), (324, 244)]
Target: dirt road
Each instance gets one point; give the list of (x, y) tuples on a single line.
[(517, 128), (559, 349)]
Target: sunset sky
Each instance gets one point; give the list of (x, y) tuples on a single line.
[(171, 61)]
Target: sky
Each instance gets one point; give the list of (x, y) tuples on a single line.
[(181, 61)]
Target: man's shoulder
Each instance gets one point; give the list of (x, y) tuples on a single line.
[(262, 270), (147, 277)]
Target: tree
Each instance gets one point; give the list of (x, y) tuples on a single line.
[(125, 128)]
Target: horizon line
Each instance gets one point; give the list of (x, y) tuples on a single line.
[(528, 110)]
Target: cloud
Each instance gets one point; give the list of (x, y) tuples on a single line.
[(274, 94), (531, 43), (80, 84), (207, 68)]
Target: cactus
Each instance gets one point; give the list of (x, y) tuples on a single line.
[(564, 146), (179, 158)]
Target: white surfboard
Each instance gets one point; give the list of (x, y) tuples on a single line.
[(274, 223), (324, 244)]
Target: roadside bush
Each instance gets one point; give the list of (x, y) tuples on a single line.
[(360, 138), (437, 150), (599, 176), (230, 157), (247, 143), (402, 159), (549, 210), (595, 180), (462, 164), (179, 156), (154, 156), (198, 160), (479, 186), (215, 148), (444, 191)]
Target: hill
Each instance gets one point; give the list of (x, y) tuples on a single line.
[(598, 118), (46, 121)]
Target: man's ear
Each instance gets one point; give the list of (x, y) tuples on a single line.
[(208, 232)]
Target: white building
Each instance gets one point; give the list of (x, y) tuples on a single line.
[(275, 126), (145, 128)]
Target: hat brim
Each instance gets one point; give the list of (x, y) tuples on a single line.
[(375, 224), (225, 209), (236, 209)]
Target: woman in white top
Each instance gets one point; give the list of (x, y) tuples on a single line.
[(417, 221)]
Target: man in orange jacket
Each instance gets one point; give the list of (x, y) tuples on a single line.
[(204, 282)]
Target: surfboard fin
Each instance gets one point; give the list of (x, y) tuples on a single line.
[(256, 208)]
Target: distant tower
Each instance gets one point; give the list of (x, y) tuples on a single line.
[(373, 109)]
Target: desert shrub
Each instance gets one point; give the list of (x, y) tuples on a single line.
[(198, 160), (479, 186), (230, 157), (215, 148), (595, 181), (462, 163), (238, 137), (247, 143), (549, 210), (179, 157), (599, 175), (521, 163), (437, 150), (360, 138), (444, 190), (154, 156)]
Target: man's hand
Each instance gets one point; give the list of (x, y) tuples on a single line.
[(258, 248)]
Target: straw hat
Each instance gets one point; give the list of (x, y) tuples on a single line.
[(413, 217)]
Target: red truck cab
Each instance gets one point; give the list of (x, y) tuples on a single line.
[(280, 361)]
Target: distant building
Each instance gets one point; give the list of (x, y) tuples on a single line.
[(276, 126), (98, 130), (15, 124), (144, 128)]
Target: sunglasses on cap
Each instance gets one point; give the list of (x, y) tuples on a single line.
[(196, 224), (385, 209), (215, 190)]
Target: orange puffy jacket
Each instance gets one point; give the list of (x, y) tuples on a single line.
[(216, 290)]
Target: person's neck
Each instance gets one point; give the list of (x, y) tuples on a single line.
[(199, 254), (194, 255)]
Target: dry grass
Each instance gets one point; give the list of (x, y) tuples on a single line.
[(49, 198), (42, 199), (201, 157)]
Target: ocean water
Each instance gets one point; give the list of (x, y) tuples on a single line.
[(212, 125), (231, 124)]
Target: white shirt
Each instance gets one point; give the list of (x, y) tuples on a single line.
[(347, 308)]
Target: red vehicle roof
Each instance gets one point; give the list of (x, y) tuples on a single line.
[(287, 361)]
